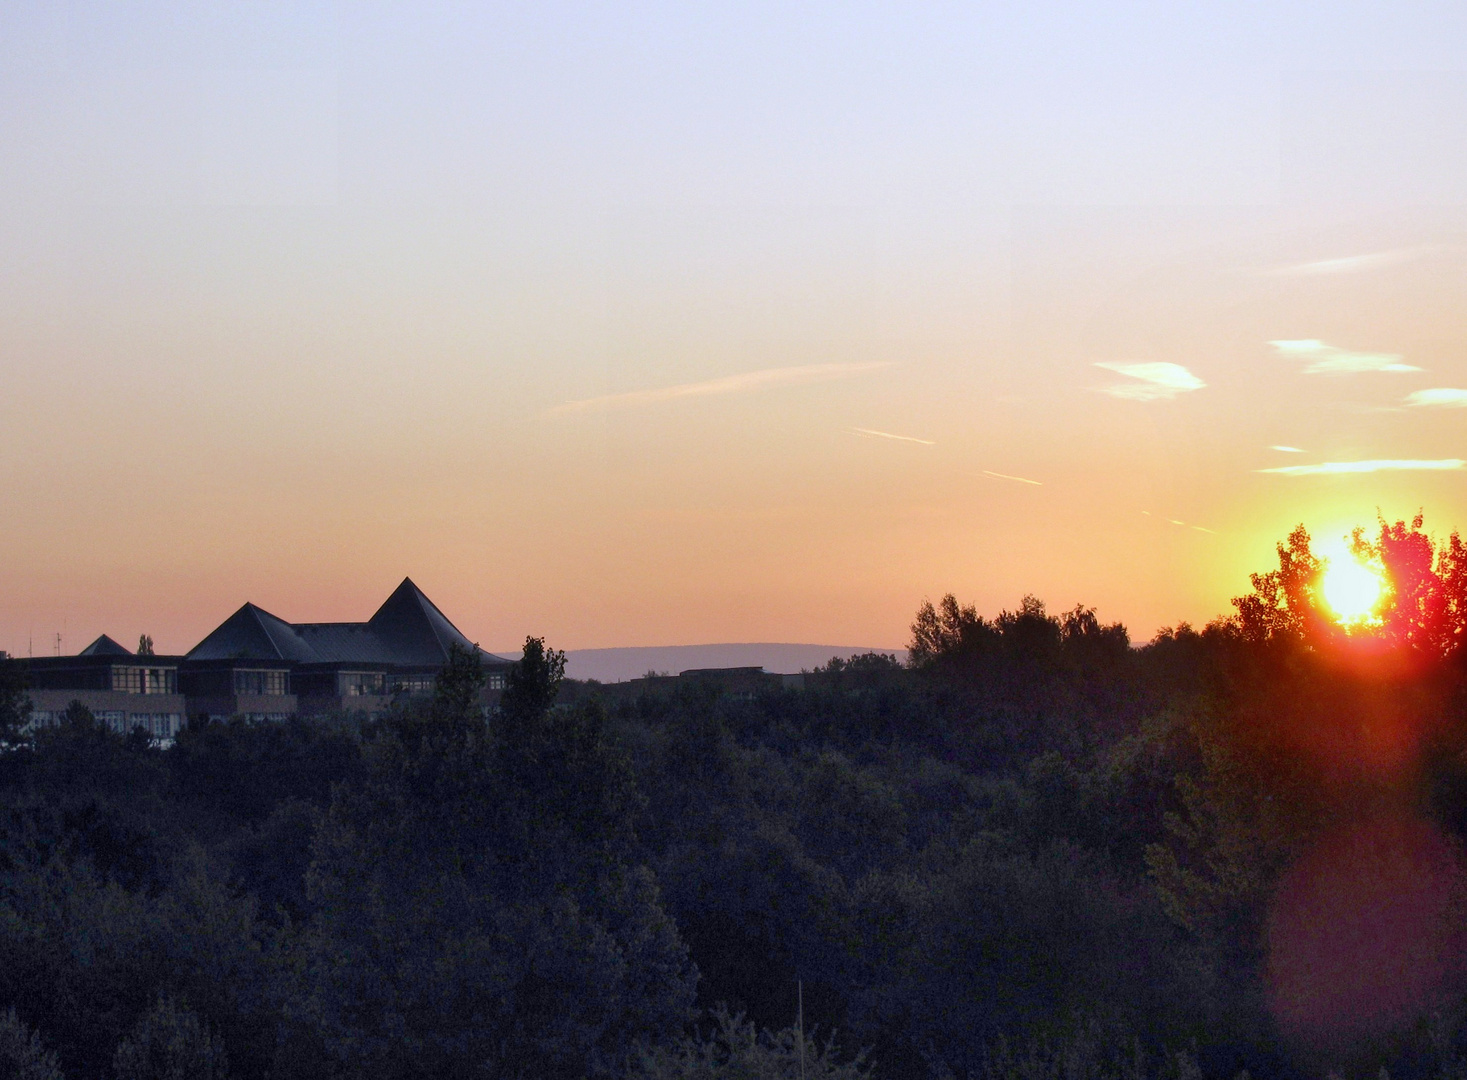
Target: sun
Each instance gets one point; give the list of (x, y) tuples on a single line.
[(1351, 589)]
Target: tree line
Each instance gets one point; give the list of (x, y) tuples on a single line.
[(1035, 850)]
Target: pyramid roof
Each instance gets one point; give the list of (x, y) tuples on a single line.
[(104, 646), (412, 626), (408, 629), (252, 633)]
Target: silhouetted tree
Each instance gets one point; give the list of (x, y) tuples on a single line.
[(532, 683), (1284, 604), (492, 923), (170, 1043), (15, 704), (22, 1054), (456, 689), (736, 1049), (1426, 603)]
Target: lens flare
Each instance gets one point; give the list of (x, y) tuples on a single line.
[(1351, 589)]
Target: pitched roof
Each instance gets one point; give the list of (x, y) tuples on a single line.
[(408, 629), (411, 625), (252, 633), (104, 646)]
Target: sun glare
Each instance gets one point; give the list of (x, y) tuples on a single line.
[(1351, 589)]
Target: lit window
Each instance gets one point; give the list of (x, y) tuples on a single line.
[(127, 680), (263, 683), (360, 683), (160, 681), (413, 685)]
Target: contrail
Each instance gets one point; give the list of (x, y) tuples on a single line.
[(1006, 476), (870, 433), (729, 384)]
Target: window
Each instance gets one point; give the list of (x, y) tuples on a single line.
[(164, 726), (114, 720), (360, 683), (127, 680), (265, 683), (413, 685), (496, 681), (145, 680)]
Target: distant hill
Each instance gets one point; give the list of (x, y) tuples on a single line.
[(618, 665)]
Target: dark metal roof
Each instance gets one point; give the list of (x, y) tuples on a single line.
[(408, 629), (411, 626), (104, 646), (351, 642), (252, 633)]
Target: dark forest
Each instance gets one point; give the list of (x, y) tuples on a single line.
[(1036, 850)]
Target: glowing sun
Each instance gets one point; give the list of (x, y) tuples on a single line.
[(1351, 589)]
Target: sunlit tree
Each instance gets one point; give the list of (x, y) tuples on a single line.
[(1422, 601), (1425, 582)]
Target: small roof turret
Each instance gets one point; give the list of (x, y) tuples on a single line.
[(104, 646)]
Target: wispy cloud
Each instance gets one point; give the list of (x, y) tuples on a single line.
[(1351, 264), (1154, 381), (1325, 359), (869, 433), (1377, 465), (729, 384), (1442, 398), (1287, 449), (1174, 521), (1016, 479)]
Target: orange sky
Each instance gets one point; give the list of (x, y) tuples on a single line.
[(660, 331)]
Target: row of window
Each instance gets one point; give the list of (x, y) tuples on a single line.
[(266, 683), (363, 683), (160, 726), (145, 680), (276, 683)]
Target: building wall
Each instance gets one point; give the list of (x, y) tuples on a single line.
[(257, 707), (163, 715)]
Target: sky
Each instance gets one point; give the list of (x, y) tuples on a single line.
[(651, 324)]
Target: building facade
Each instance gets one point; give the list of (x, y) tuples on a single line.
[(257, 666)]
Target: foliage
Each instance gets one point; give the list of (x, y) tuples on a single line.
[(737, 1050), (531, 685), (955, 862), (170, 1043), (15, 704), (1424, 608), (456, 689), (1426, 604), (1285, 603), (476, 912), (22, 1054)]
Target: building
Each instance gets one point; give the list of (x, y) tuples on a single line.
[(257, 666), (123, 690), (740, 682)]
